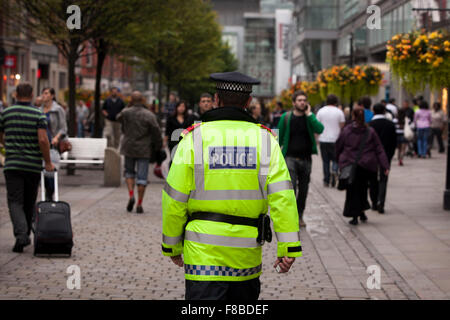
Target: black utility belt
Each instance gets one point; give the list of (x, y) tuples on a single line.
[(262, 223)]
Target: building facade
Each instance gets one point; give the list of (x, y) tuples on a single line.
[(259, 33), (326, 32)]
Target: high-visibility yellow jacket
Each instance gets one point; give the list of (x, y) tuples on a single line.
[(234, 168)]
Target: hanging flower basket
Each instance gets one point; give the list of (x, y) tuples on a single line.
[(420, 58)]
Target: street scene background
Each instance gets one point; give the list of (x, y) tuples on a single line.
[(395, 52)]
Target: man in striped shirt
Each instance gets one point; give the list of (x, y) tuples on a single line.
[(23, 131)]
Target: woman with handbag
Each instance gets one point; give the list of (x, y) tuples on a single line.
[(405, 134), (359, 153), (57, 129)]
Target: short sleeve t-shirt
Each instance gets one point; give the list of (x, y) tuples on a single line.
[(331, 118), (20, 124)]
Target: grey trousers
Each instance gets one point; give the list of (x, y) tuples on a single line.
[(300, 171), (112, 132)]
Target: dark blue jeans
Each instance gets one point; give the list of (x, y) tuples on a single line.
[(328, 153), (422, 141)]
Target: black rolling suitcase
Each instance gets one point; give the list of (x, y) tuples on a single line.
[(52, 225)]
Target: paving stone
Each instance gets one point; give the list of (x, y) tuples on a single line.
[(119, 253)]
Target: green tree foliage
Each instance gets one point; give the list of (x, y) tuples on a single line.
[(191, 90), (179, 40), (47, 19)]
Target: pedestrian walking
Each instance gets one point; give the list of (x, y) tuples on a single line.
[(112, 106), (386, 131), (438, 121), (276, 115), (256, 112), (82, 116), (175, 123), (353, 138), (405, 114), (333, 120), (422, 123), (205, 104), (140, 130), (23, 131), (169, 107), (366, 104), (298, 143), (215, 213), (56, 130), (392, 108)]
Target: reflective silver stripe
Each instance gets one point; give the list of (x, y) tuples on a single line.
[(279, 186), (288, 236), (264, 161), (199, 173), (220, 271), (221, 240), (176, 195), (171, 240)]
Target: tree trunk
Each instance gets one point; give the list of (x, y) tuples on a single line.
[(160, 94), (102, 51), (168, 90), (72, 59)]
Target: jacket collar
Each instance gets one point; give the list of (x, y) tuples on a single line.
[(378, 116), (23, 103), (54, 108), (227, 113)]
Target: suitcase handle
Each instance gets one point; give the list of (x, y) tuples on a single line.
[(55, 176)]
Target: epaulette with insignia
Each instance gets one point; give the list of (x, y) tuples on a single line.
[(268, 129), (191, 128)]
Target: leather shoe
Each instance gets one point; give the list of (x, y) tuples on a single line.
[(19, 245), (354, 221), (139, 209)]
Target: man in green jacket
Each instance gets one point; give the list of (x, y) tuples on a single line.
[(298, 143)]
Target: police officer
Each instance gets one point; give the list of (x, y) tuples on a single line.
[(225, 174)]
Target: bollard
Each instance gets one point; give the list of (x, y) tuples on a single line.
[(112, 176)]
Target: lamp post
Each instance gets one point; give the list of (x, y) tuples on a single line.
[(352, 58)]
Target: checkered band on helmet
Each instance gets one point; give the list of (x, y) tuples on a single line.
[(232, 86)]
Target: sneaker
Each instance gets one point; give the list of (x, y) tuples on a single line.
[(354, 221), (302, 223), (139, 209), (19, 245), (130, 204)]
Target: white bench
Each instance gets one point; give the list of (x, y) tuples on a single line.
[(85, 151), (95, 151)]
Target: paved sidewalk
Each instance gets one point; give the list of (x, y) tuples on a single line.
[(119, 253), (412, 239)]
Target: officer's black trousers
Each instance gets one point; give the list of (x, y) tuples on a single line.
[(223, 290)]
